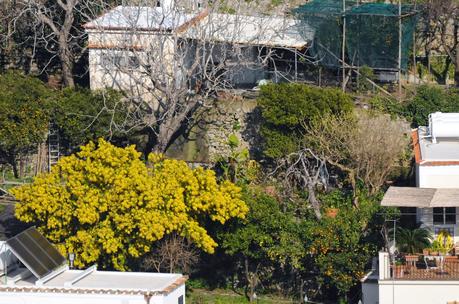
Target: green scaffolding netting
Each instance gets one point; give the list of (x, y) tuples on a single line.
[(372, 32)]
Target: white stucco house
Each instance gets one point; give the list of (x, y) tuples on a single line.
[(130, 45), (34, 272), (433, 203)]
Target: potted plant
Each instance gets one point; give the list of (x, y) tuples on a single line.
[(412, 241), (435, 247), (445, 242), (399, 269)]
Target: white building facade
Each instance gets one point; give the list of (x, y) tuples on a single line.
[(32, 271), (130, 45), (424, 278)]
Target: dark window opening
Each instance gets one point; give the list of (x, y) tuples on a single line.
[(444, 215), (180, 300), (408, 217), (121, 62)]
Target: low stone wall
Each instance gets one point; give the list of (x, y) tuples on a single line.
[(236, 118), (209, 137)]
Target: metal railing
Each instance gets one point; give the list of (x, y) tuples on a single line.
[(426, 268)]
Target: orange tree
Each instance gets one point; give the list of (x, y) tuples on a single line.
[(270, 238), (107, 206), (339, 248)]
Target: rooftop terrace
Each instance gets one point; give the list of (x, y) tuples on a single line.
[(93, 281), (444, 150)]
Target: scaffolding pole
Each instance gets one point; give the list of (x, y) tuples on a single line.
[(400, 49), (343, 49)]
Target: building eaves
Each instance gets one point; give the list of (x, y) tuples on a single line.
[(108, 291), (194, 21), (420, 197), (416, 146), (101, 46)]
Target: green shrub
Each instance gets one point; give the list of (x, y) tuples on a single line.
[(82, 115), (24, 116), (430, 99), (287, 107), (388, 105), (366, 74)]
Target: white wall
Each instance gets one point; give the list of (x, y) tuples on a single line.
[(172, 298), (418, 292), (67, 298), (134, 81), (437, 176)]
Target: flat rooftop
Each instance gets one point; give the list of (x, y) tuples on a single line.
[(252, 30), (444, 152), (142, 18), (93, 281)]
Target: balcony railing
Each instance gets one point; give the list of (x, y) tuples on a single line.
[(426, 268)]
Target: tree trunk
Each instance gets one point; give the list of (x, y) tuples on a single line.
[(67, 69), (65, 56), (161, 145), (14, 165), (445, 72), (251, 282), (314, 201), (167, 130), (456, 67), (151, 142)]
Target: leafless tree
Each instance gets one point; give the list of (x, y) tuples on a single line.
[(173, 253), (56, 27), (182, 61), (305, 170), (363, 145)]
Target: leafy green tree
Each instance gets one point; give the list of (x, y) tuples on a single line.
[(23, 116), (430, 99), (82, 115), (287, 107), (412, 240), (269, 236), (338, 246)]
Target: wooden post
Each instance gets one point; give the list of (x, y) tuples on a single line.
[(296, 65)]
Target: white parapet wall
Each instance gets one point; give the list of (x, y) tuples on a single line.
[(65, 298), (437, 176), (80, 298), (418, 292)]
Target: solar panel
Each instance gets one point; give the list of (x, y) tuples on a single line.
[(36, 252)]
